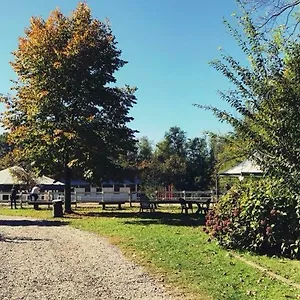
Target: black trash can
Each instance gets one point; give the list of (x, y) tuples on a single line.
[(57, 208)]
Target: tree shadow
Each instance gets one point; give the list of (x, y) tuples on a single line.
[(150, 218), (184, 221), (32, 223), (20, 239)]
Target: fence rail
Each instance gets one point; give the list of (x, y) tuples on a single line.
[(186, 195), (106, 197)]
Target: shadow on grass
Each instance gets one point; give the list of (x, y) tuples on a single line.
[(150, 218), (32, 223)]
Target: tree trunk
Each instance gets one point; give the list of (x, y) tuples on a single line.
[(68, 208)]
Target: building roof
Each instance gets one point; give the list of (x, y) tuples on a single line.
[(246, 167), (82, 182), (125, 181), (7, 178)]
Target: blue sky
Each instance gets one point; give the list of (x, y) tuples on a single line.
[(168, 44)]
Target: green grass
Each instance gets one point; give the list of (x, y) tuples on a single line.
[(174, 245), (287, 268)]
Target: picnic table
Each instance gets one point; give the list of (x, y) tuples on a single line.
[(202, 203)]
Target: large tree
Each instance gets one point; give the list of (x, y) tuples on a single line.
[(265, 101), (66, 113), (144, 150), (170, 155), (199, 165), (266, 112)]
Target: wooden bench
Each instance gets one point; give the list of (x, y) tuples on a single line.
[(44, 202), (39, 202), (104, 203)]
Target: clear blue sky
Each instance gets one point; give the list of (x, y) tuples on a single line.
[(168, 44)]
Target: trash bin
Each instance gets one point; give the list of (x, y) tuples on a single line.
[(57, 208)]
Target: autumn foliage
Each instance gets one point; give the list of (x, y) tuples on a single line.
[(65, 112)]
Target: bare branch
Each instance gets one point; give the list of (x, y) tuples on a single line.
[(271, 11), (280, 12)]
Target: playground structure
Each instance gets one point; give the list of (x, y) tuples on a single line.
[(169, 194)]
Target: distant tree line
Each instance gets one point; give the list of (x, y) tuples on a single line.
[(178, 161)]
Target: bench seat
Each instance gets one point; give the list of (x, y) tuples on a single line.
[(104, 203), (44, 202)]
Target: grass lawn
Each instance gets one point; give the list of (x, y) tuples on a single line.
[(173, 246), (287, 268)]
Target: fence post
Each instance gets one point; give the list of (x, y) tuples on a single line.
[(130, 198), (21, 199)]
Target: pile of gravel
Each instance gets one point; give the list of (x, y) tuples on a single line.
[(42, 260)]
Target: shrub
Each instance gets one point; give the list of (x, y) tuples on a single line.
[(258, 215)]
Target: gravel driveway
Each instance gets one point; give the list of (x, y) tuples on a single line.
[(45, 260)]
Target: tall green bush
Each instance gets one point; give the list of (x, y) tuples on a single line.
[(258, 215)]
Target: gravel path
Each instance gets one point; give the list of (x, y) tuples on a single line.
[(40, 260)]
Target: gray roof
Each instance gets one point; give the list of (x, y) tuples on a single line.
[(247, 167), (7, 178)]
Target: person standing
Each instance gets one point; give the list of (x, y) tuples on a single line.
[(34, 193), (13, 197)]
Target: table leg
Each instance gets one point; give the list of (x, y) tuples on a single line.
[(198, 209)]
